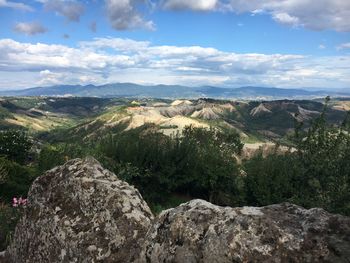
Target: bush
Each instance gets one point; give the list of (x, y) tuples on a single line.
[(271, 180), (17, 180), (15, 145), (53, 155), (9, 217)]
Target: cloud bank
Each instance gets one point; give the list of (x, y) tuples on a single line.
[(104, 60)]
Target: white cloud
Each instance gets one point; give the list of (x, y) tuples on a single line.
[(105, 60), (344, 46), (196, 5), (124, 45), (311, 14), (285, 18), (125, 14), (30, 29), (49, 78), (70, 9), (15, 5)]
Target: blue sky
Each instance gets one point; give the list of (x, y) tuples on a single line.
[(229, 43)]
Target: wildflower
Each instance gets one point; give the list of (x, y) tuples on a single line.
[(16, 202)]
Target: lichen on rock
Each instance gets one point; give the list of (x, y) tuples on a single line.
[(199, 231)]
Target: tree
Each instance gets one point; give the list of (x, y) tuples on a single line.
[(271, 179)]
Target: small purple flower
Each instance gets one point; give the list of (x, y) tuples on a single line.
[(16, 202)]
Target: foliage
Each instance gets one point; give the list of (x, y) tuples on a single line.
[(317, 174), (57, 154), (200, 163), (17, 180), (9, 217), (271, 179), (324, 154), (15, 145), (3, 172)]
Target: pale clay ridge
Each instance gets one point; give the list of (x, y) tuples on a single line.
[(171, 118), (259, 110), (206, 114), (80, 212)]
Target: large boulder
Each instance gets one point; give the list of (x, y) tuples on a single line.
[(80, 212), (199, 231)]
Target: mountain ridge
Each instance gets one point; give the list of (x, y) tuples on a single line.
[(171, 91)]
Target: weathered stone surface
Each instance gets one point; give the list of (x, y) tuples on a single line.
[(80, 212), (199, 231)]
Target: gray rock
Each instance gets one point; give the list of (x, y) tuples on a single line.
[(199, 231), (80, 212)]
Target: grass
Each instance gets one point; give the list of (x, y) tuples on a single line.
[(43, 123)]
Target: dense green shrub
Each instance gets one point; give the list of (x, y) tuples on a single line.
[(15, 145), (52, 155), (324, 156), (200, 163), (16, 180), (271, 179), (316, 174), (9, 217)]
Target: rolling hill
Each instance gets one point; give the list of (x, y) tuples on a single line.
[(83, 118)]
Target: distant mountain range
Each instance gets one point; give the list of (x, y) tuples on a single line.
[(172, 91)]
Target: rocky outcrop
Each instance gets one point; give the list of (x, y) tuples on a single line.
[(80, 212), (199, 231)]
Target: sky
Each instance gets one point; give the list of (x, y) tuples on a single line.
[(225, 43)]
